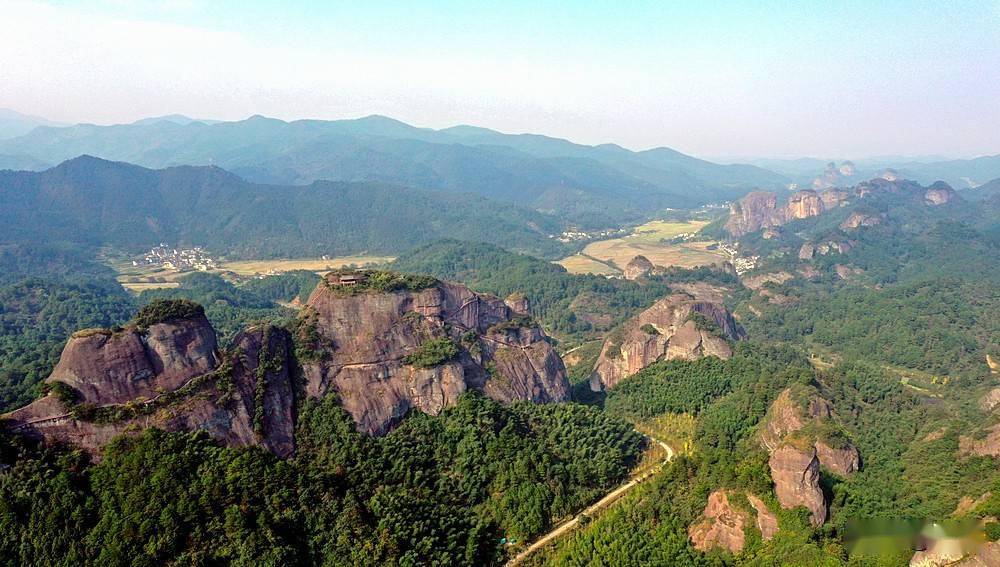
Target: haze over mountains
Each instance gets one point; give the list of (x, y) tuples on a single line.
[(544, 173), (97, 202), (591, 186)]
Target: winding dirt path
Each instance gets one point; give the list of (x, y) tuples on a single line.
[(607, 500)]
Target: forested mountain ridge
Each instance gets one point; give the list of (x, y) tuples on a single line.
[(97, 202), (588, 184)]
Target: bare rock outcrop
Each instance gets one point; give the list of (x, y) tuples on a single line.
[(762, 210), (754, 211), (804, 418), (800, 435), (638, 267), (365, 337), (939, 193), (985, 444), (721, 525), (518, 303), (172, 379), (677, 326), (803, 205), (795, 472), (109, 367), (767, 522), (858, 220)]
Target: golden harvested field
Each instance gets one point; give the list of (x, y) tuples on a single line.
[(251, 267), (139, 279), (646, 240), (580, 264), (143, 286), (653, 231)]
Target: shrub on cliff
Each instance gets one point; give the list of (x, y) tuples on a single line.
[(165, 310), (432, 353)]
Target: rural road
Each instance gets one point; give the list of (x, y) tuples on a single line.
[(608, 498)]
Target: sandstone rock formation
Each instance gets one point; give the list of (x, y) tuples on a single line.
[(939, 193), (799, 432), (364, 339), (803, 417), (986, 556), (677, 326), (758, 281), (803, 205), (990, 401), (767, 522), (518, 303), (795, 473), (170, 378), (638, 267), (721, 525), (858, 219), (759, 210), (754, 211), (987, 444), (107, 367), (807, 251)]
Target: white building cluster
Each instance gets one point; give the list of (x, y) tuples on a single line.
[(170, 258)]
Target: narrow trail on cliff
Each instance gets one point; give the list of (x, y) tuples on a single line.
[(604, 502)]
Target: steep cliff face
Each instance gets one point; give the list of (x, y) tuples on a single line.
[(939, 193), (723, 525), (638, 267), (754, 211), (764, 210), (677, 326), (803, 205), (804, 418), (107, 367), (800, 435), (795, 472), (858, 220), (367, 341), (170, 378)]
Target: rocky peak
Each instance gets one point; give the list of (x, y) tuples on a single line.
[(417, 343), (800, 416), (804, 204), (518, 303), (638, 267), (939, 193), (169, 377), (859, 219), (795, 472), (723, 524), (762, 210), (754, 211), (108, 367), (677, 326), (800, 435)]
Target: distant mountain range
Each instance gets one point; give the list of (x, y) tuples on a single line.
[(590, 185), (960, 173), (97, 202), (14, 124)]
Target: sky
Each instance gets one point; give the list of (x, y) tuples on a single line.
[(734, 79)]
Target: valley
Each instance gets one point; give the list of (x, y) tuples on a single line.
[(141, 278), (655, 241)]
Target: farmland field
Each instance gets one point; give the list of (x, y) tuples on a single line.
[(611, 256), (251, 267), (139, 279)]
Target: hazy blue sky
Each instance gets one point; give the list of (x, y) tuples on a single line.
[(831, 79)]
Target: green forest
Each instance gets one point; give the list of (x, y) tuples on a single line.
[(445, 490)]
